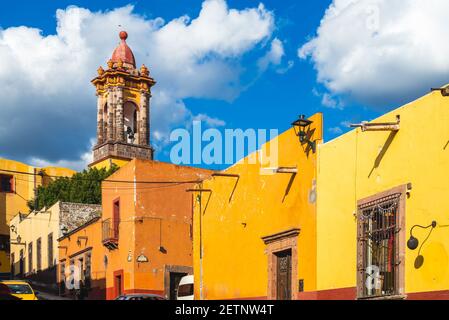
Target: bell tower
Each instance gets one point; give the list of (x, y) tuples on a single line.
[(123, 108)]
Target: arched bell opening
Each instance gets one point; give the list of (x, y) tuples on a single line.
[(131, 122)]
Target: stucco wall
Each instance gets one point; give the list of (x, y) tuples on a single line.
[(237, 213), (359, 165)]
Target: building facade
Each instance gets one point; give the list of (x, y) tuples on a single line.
[(82, 267), (34, 240), (255, 224), (147, 227), (376, 184), (18, 182)]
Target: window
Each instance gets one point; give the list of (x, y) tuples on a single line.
[(50, 250), (116, 220), (30, 257), (39, 254), (19, 288), (6, 183), (185, 290), (378, 247)]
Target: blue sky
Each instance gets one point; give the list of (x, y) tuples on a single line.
[(316, 81)]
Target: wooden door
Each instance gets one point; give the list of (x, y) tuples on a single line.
[(284, 275)]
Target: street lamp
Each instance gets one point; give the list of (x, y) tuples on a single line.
[(302, 126), (413, 242)]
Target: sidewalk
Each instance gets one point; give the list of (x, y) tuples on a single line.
[(49, 296)]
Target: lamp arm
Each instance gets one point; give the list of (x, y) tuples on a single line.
[(433, 225)]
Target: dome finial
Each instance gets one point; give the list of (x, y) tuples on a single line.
[(123, 35)]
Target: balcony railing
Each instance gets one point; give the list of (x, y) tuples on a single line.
[(110, 234)]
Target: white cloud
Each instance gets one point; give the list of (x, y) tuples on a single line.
[(381, 52), (335, 130), (273, 56), (48, 107), (209, 121), (328, 100)]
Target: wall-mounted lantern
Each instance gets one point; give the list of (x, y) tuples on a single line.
[(302, 127), (142, 259), (413, 242)]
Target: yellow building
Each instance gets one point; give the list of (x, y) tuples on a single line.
[(18, 183), (374, 185), (255, 224), (34, 240)]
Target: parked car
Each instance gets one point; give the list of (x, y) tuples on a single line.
[(140, 297), (185, 289), (20, 289), (5, 293)]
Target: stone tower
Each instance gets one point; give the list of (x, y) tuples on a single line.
[(123, 108)]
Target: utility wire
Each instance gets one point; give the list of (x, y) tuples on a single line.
[(105, 180)]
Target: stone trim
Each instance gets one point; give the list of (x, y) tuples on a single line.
[(277, 243), (400, 278)]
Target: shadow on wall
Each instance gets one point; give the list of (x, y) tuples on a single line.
[(382, 153), (419, 261)]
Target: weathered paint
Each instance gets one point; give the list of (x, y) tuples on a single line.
[(360, 164), (237, 213), (155, 221)]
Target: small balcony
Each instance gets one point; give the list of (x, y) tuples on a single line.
[(110, 234)]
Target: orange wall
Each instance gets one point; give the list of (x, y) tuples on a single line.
[(73, 245), (152, 215)]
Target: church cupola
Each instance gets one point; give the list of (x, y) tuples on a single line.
[(123, 53), (123, 107)]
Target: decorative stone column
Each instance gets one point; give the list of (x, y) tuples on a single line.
[(100, 124), (144, 118), (110, 115), (120, 121)]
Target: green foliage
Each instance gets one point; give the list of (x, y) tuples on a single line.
[(83, 187)]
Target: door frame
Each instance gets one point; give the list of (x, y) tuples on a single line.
[(120, 274), (275, 244), (173, 269)]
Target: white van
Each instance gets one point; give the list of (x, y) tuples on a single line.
[(185, 289)]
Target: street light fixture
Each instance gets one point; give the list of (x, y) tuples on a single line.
[(302, 126), (413, 242)]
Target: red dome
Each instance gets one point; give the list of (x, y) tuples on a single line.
[(123, 52)]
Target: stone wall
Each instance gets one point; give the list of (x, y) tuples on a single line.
[(74, 215), (122, 150)]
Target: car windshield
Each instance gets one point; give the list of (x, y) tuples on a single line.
[(20, 289), (185, 290)]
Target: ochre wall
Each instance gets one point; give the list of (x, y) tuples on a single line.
[(86, 238), (24, 185), (359, 165), (239, 212), (146, 210)]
